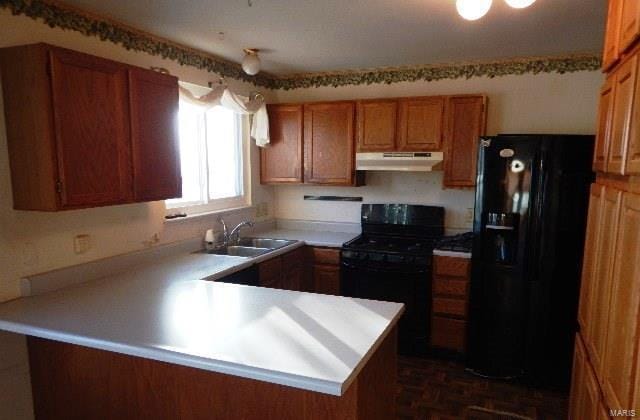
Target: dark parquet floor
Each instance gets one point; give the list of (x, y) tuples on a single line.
[(431, 389)]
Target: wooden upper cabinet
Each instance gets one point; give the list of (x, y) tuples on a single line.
[(585, 309), (91, 119), (421, 123), (605, 243), (154, 135), (377, 125), (465, 124), (625, 83), (605, 116), (623, 338), (629, 26), (281, 160), (81, 128), (611, 53), (329, 152), (632, 166)]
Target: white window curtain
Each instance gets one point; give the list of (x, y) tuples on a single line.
[(221, 95)]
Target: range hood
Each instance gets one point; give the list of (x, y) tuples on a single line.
[(399, 161)]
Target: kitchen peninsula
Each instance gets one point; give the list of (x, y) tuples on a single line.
[(159, 342)]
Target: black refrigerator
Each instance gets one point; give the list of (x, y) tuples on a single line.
[(530, 216)]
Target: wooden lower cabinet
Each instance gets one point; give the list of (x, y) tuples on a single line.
[(76, 382), (586, 401), (605, 243), (450, 302), (326, 271), (284, 272), (607, 352), (621, 357), (309, 269)]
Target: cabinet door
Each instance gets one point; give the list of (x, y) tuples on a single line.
[(329, 152), (421, 124), (154, 135), (600, 301), (629, 23), (270, 273), (465, 125), (622, 110), (293, 264), (281, 160), (623, 337), (376, 122), (633, 148), (585, 310), (91, 115), (605, 115), (326, 279), (611, 53), (584, 402)]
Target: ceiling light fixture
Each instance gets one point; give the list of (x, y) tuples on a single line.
[(475, 9), (251, 61), (520, 4)]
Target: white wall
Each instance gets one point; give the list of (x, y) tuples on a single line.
[(543, 103)]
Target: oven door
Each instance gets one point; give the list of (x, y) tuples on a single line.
[(408, 284)]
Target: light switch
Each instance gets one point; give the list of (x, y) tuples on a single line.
[(81, 243)]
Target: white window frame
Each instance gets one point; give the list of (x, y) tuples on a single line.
[(221, 204)]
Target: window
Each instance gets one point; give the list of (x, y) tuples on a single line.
[(212, 154)]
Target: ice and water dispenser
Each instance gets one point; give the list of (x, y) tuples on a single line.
[(501, 238)]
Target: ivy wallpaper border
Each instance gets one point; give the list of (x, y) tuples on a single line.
[(518, 66), (55, 14)]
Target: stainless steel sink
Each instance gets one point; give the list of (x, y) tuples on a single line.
[(264, 243), (239, 251), (250, 247)]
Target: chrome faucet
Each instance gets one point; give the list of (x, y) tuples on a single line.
[(232, 237)]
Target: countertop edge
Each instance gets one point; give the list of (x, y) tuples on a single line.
[(197, 362), (374, 347)]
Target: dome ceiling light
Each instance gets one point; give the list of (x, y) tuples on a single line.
[(251, 61), (475, 9)]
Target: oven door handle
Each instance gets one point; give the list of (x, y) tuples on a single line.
[(382, 270)]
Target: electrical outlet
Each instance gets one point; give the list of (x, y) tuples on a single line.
[(468, 216), (81, 243)]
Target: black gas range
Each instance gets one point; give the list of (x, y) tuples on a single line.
[(391, 260)]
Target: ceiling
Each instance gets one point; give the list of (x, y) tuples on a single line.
[(301, 36)]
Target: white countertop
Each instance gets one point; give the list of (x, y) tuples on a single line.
[(165, 312), (310, 237)]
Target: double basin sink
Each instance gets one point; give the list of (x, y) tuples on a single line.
[(251, 247)]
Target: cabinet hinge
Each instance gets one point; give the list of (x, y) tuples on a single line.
[(59, 187)]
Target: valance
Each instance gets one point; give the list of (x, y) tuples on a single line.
[(220, 95)]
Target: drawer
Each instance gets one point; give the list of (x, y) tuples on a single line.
[(450, 287), (452, 266), (448, 333), (327, 256), (446, 306)]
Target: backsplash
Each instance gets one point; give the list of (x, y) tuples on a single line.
[(381, 187)]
